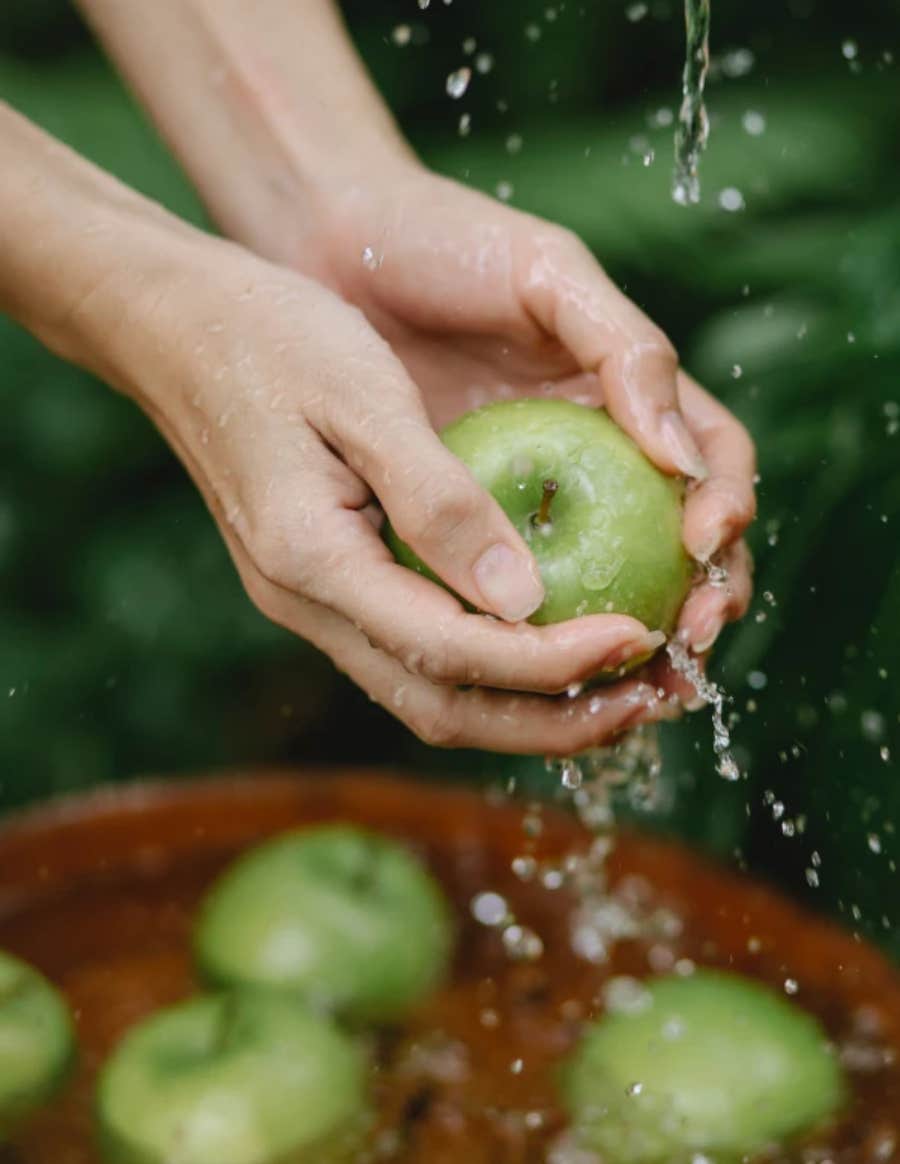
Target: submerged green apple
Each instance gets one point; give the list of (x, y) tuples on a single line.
[(603, 523), (243, 1078), (346, 918), (711, 1064), (37, 1043)]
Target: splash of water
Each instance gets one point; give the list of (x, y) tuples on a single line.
[(688, 667), (693, 124)]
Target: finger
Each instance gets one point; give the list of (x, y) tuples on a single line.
[(720, 508), (430, 633), (713, 604), (572, 298), (491, 720), (445, 716), (432, 500)]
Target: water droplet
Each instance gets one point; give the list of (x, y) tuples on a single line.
[(504, 191), (872, 724), (754, 123), (370, 260), (625, 995), (849, 50), (634, 1089), (731, 199), (513, 143), (524, 867), (660, 118), (791, 986), (736, 371), (490, 909), (738, 63), (469, 45), (484, 62), (636, 12), (532, 32), (458, 82), (465, 124), (757, 680), (873, 840), (812, 878), (522, 944), (401, 35)]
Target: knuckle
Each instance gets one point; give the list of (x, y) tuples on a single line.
[(659, 345), (436, 512), (446, 664), (438, 725), (290, 548), (270, 550)]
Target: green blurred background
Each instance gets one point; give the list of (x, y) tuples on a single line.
[(126, 644)]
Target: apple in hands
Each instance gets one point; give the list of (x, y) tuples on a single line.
[(242, 1078), (37, 1042), (603, 522), (346, 919)]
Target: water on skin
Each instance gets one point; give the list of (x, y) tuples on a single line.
[(693, 124)]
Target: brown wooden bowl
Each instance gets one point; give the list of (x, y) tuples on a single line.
[(99, 892)]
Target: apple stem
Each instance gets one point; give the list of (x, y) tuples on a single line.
[(542, 517)]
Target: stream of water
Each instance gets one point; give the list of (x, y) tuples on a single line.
[(693, 124)]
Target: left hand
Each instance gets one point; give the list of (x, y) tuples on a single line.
[(483, 302)]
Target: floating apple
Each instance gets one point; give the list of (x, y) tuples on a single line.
[(37, 1043), (603, 523), (349, 920), (242, 1078), (709, 1064)]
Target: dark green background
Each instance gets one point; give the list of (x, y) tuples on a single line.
[(126, 644)]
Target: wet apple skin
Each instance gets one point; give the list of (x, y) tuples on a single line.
[(613, 544)]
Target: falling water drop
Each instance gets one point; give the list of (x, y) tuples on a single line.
[(458, 82)]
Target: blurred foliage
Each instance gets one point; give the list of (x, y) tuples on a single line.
[(127, 644)]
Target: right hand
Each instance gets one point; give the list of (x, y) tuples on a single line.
[(300, 427)]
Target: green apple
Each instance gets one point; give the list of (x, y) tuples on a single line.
[(347, 919), (711, 1064), (603, 523), (37, 1041), (236, 1078)]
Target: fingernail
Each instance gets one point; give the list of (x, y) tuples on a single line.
[(509, 583), (706, 549), (645, 644), (681, 446)]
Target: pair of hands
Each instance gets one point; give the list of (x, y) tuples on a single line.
[(305, 406)]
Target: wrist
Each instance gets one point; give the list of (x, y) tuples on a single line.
[(266, 104)]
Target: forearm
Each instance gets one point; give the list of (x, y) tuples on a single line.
[(79, 252), (265, 102)]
